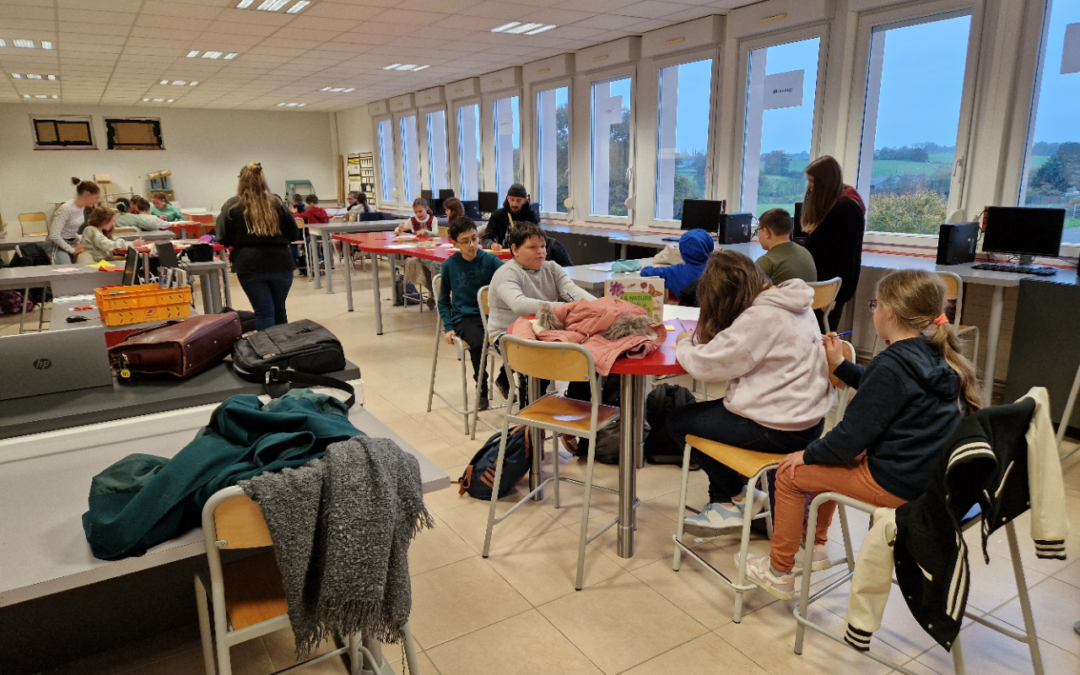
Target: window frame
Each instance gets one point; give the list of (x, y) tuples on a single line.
[(110, 132), (648, 134), (582, 184), (817, 29), (489, 135), (376, 121), (86, 119), (426, 149), (531, 167), (455, 105), (961, 175), (399, 139)]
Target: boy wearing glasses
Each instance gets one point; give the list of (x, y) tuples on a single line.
[(783, 259), (463, 275)]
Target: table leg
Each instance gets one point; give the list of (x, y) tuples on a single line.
[(375, 289), (993, 335), (348, 274), (630, 432), (622, 250), (328, 260), (315, 263), (399, 298), (215, 292), (536, 472), (208, 307), (225, 282)]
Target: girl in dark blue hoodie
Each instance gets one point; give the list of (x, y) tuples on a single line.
[(695, 247), (911, 398)]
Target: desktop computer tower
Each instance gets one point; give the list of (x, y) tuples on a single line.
[(956, 243), (734, 228)]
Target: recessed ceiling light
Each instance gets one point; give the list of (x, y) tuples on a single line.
[(211, 55), (271, 5), (170, 100), (52, 77), (297, 7), (505, 27), (391, 67), (163, 82), (338, 89), (292, 105), (193, 53), (179, 83), (325, 89), (3, 43), (159, 100), (26, 95), (31, 76), (420, 68), (25, 44), (350, 89), (524, 28), (55, 96), (16, 76), (193, 84), (231, 55), (146, 100), (40, 96), (541, 29), (244, 4), (45, 44)]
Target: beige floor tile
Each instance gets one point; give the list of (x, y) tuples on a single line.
[(652, 539), (248, 658), (281, 645), (544, 568), (995, 584), (470, 521), (703, 656), (524, 644), (436, 547), (987, 652), (999, 544), (134, 654), (448, 498), (1070, 574), (621, 622), (697, 495), (456, 599), (423, 664), (1055, 607)]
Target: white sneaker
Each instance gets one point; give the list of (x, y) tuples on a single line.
[(761, 501), (759, 571), (821, 559), (713, 521)]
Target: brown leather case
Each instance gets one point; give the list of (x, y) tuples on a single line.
[(178, 349)]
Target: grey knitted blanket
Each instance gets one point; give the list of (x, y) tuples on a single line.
[(341, 527)]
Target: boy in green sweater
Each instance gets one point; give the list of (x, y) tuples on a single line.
[(463, 275), (783, 259)]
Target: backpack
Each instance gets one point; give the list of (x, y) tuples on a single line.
[(660, 447), (516, 463), (11, 302)]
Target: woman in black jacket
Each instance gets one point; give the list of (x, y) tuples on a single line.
[(259, 228), (834, 219)]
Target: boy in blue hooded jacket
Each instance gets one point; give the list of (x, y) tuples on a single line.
[(695, 247)]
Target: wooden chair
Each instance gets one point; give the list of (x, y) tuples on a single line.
[(955, 293), (487, 357), (461, 345), (36, 221), (825, 293), (555, 361)]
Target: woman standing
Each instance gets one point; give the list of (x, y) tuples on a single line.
[(63, 245), (163, 209), (834, 220), (259, 228)]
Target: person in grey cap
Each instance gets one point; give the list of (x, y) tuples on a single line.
[(516, 209)]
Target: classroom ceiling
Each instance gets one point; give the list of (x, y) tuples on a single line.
[(118, 52)]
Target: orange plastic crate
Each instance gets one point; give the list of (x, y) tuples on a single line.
[(124, 305)]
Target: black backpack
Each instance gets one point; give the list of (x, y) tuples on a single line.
[(298, 352), (516, 463), (660, 447)]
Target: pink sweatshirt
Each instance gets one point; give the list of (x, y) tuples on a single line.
[(772, 358)]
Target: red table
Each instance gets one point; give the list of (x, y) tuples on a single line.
[(435, 249)]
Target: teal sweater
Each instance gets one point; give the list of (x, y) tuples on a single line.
[(464, 279), (142, 500), (169, 213)]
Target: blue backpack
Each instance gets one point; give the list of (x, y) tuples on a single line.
[(482, 466)]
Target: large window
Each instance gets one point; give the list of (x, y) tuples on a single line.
[(387, 171), (410, 157), (610, 161), (1052, 163), (553, 149), (911, 117), (469, 163), (67, 132), (778, 129), (682, 135), (507, 144), (438, 168)]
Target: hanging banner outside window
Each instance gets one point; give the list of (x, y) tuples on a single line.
[(784, 90)]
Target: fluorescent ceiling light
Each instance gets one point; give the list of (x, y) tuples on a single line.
[(280, 104), (52, 77), (55, 96), (272, 5), (40, 96), (3, 43), (179, 83), (244, 4), (193, 84), (420, 68), (163, 82), (301, 105), (325, 89), (338, 89), (524, 28), (170, 100), (159, 100), (297, 7), (146, 100), (211, 55), (16, 76), (505, 27), (350, 89), (46, 44), (31, 76), (392, 67), (193, 53), (25, 44), (231, 55), (26, 95), (541, 29)]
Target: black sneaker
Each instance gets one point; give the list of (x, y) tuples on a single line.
[(504, 387), (483, 404)]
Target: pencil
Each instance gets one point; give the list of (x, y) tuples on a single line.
[(845, 333)]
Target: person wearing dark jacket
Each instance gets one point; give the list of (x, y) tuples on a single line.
[(516, 208), (260, 229), (834, 220), (695, 247), (911, 398)]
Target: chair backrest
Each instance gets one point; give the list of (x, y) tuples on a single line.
[(825, 292), (482, 302), (849, 354), (204, 218), (548, 360), (954, 292), (32, 219)]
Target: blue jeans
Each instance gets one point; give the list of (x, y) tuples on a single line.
[(713, 421), (267, 292)]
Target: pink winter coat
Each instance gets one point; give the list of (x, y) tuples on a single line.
[(584, 322)]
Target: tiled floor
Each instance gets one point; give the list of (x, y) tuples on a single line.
[(518, 612)]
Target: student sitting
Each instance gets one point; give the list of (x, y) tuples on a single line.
[(135, 214), (423, 222), (784, 259), (463, 275), (313, 213), (97, 238), (764, 341), (556, 252), (516, 209), (695, 247), (297, 204), (161, 208), (911, 398)]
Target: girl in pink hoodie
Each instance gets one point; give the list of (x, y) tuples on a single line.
[(765, 342)]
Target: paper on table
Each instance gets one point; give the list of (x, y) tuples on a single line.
[(68, 270)]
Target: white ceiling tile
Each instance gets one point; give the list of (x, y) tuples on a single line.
[(371, 39), (312, 36), (235, 16), (124, 6), (75, 40), (172, 23), (608, 22), (27, 12), (222, 28), (341, 10), (574, 32), (334, 24), (178, 10), (559, 17), (649, 9), (14, 24), (411, 17), (449, 6), (226, 42)]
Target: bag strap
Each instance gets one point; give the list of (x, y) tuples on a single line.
[(279, 376)]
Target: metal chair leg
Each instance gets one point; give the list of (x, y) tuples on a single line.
[(584, 539), (1025, 602), (355, 662), (682, 506), (435, 365), (497, 481), (205, 634), (464, 390), (410, 651)]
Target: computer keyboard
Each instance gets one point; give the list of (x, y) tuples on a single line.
[(1016, 268)]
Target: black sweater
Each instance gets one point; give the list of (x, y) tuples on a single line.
[(836, 245), (252, 253), (906, 408), (498, 226)]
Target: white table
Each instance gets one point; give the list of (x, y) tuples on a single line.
[(209, 285), (326, 231)]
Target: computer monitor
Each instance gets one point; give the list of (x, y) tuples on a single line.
[(701, 214), (166, 254), (445, 194), (427, 194), (488, 201), (131, 267), (1023, 231), (472, 209), (437, 207)]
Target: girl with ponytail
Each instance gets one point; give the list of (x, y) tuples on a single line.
[(911, 398), (63, 244)]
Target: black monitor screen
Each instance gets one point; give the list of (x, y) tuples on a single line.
[(131, 266), (445, 194), (166, 254), (701, 214), (488, 201), (472, 209), (426, 194), (437, 207), (1023, 231)]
